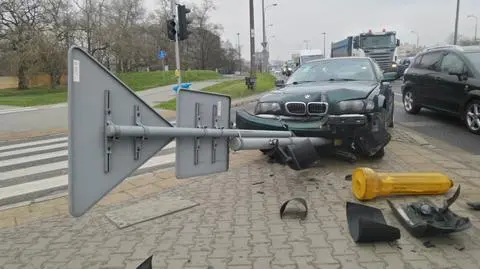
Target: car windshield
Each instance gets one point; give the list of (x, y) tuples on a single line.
[(474, 57), (333, 70), (378, 41)]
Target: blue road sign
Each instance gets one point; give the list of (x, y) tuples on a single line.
[(162, 54)]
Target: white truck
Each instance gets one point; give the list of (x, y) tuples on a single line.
[(305, 56), (380, 46)]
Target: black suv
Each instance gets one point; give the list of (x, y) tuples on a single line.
[(445, 79)]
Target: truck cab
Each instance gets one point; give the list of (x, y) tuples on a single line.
[(380, 46)]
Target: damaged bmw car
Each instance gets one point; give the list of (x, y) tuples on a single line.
[(347, 101)]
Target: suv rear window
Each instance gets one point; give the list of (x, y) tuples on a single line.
[(417, 60), (431, 61), (474, 58)]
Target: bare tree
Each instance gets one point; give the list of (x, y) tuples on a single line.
[(21, 21), (91, 24)]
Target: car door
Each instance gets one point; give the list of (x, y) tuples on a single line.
[(429, 68), (452, 89)]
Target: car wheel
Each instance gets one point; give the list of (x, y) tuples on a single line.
[(472, 116), (409, 103)]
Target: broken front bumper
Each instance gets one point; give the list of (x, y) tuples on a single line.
[(365, 133)]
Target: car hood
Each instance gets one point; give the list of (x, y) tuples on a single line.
[(332, 91)]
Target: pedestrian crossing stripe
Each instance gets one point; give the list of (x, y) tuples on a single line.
[(36, 169)]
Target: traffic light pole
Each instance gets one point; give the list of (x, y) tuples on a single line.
[(177, 50)]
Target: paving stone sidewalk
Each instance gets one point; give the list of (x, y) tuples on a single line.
[(237, 224)]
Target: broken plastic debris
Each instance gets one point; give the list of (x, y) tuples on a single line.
[(300, 200), (424, 218), (367, 224), (147, 264), (474, 205)]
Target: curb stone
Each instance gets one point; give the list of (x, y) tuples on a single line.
[(411, 135)]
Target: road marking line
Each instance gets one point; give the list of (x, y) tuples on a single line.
[(62, 181), (42, 156), (16, 110), (33, 158), (32, 170), (421, 123), (34, 143), (34, 149)]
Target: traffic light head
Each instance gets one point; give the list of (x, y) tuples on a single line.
[(171, 31), (183, 22)]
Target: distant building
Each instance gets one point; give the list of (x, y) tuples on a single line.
[(407, 50)]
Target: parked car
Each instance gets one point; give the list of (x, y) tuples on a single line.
[(402, 65), (445, 79), (347, 100)]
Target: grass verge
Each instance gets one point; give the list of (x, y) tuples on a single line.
[(234, 88), (137, 81)]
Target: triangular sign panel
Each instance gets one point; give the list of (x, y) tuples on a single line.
[(94, 94)]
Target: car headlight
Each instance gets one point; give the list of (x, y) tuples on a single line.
[(394, 65), (356, 106), (267, 108)]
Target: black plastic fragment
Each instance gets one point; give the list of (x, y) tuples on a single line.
[(428, 244), (300, 200), (474, 205), (424, 218), (348, 177), (367, 224), (147, 264), (302, 155)]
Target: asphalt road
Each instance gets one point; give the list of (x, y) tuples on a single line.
[(41, 118), (432, 124)]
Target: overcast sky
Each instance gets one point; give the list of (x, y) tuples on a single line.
[(297, 20)]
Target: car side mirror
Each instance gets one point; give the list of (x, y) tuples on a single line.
[(398, 42), (280, 83), (389, 76), (356, 42)]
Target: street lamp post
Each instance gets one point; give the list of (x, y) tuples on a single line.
[(476, 23), (270, 38), (456, 24), (413, 32), (306, 43), (264, 43), (252, 43), (324, 49), (239, 53)]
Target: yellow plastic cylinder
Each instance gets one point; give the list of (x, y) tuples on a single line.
[(367, 184)]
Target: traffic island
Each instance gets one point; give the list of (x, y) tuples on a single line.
[(237, 223)]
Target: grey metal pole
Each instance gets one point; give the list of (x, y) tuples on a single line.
[(456, 24), (239, 53), (414, 32), (238, 143), (252, 41), (324, 49), (476, 23), (177, 52), (264, 43), (114, 130)]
